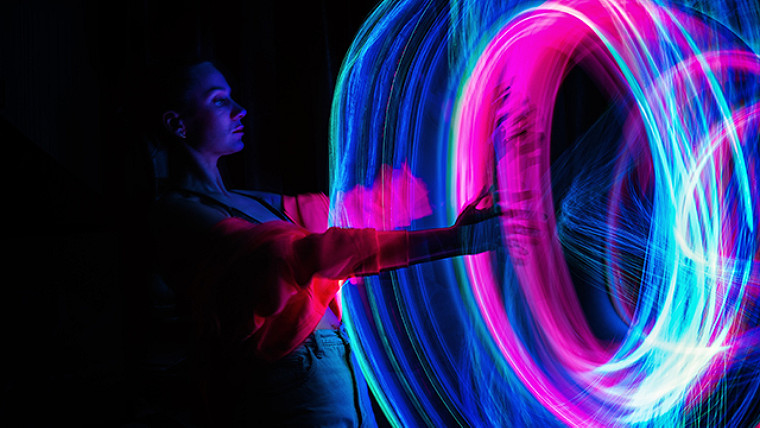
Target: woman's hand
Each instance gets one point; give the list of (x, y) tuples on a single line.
[(479, 209), (478, 227)]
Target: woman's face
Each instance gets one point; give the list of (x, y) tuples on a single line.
[(211, 118)]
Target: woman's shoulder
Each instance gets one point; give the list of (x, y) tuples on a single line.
[(179, 209), (273, 199)]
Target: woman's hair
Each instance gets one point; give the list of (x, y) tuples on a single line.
[(147, 94), (160, 87)]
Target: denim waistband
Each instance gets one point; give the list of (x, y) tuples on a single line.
[(319, 339)]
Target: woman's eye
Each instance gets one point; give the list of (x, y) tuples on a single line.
[(220, 101)]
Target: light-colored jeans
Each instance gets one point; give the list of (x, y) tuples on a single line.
[(317, 385)]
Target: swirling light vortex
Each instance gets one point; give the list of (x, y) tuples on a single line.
[(650, 215)]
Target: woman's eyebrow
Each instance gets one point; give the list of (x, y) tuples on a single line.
[(216, 88)]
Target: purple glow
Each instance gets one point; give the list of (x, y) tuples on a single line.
[(657, 214)]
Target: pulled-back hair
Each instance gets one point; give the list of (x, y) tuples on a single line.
[(160, 87), (148, 93)]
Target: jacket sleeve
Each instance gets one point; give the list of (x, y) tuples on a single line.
[(282, 258)]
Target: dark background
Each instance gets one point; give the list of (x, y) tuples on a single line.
[(70, 300)]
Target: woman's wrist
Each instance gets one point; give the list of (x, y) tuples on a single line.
[(434, 244)]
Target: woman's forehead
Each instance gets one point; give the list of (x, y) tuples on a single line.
[(206, 77)]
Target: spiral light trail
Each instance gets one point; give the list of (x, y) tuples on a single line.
[(624, 293)]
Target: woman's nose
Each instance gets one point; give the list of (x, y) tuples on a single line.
[(238, 111)]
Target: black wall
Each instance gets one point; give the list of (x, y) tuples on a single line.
[(73, 261)]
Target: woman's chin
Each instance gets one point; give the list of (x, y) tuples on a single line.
[(237, 146)]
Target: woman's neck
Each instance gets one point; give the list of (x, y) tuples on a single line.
[(198, 172)]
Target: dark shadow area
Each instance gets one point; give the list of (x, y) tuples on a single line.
[(78, 309), (586, 128)]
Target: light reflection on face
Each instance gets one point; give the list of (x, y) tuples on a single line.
[(212, 118)]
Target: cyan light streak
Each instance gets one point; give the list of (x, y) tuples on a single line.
[(625, 291)]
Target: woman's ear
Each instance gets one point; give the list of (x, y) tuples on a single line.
[(174, 124)]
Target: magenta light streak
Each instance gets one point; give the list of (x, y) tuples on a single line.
[(633, 300), (394, 199), (530, 56), (526, 57)]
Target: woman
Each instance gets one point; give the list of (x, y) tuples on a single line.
[(259, 273)]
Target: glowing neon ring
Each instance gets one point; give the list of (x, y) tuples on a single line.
[(532, 68)]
